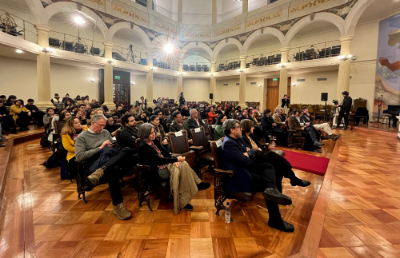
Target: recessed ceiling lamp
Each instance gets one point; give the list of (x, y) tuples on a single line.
[(19, 51), (79, 20)]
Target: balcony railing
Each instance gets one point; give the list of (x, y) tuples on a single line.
[(196, 67), (315, 51), (226, 65), (17, 27), (129, 54), (263, 59)]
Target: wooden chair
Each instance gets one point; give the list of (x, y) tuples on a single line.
[(221, 177), (199, 139), (211, 132), (294, 141)]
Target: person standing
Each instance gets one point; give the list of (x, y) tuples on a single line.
[(182, 100), (345, 108), (285, 101)]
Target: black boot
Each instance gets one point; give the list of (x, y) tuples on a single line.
[(274, 195), (203, 186), (299, 182), (281, 225)]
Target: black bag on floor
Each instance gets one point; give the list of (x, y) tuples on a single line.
[(44, 142), (53, 161)]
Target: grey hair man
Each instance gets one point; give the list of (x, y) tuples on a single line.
[(90, 145), (194, 121)]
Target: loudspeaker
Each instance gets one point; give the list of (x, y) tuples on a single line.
[(211, 96), (324, 96)]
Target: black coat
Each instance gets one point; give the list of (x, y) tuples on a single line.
[(285, 102), (32, 107), (149, 156), (112, 128), (346, 104), (247, 141), (127, 137), (266, 123), (193, 124)]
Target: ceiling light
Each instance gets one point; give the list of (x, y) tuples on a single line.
[(79, 20), (282, 65), (110, 60), (211, 74), (239, 70), (92, 80), (169, 48), (153, 68), (182, 73), (132, 83), (19, 51)]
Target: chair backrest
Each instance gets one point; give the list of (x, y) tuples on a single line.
[(117, 133), (179, 144), (199, 138), (211, 132), (215, 152)]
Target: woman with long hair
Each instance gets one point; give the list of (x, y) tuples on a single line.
[(184, 183)]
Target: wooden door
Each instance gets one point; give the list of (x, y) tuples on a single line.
[(272, 97)]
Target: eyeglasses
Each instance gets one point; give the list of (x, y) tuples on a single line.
[(100, 125)]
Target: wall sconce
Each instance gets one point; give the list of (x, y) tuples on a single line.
[(294, 84), (110, 61), (182, 73), (132, 83), (92, 80), (344, 57), (259, 85), (282, 65), (46, 50), (153, 68), (240, 70), (211, 74)]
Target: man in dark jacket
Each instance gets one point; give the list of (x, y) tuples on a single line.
[(128, 135), (245, 115), (194, 121), (252, 177), (36, 113), (345, 108), (285, 101)]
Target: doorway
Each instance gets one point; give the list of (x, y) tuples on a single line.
[(121, 87), (273, 98)]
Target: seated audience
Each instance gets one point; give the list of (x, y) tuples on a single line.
[(69, 104), (254, 116), (218, 130), (65, 99), (219, 110), (142, 104), (3, 99), (136, 111), (48, 117), (119, 113), (2, 138), (308, 127), (325, 126), (69, 133), (10, 101), (142, 117), (54, 118), (268, 124), (36, 113), (194, 121), (162, 120), (228, 112), (211, 116), (245, 115), (111, 127), (252, 174), (7, 119), (177, 125), (310, 137), (78, 98), (159, 130), (62, 120), (74, 110), (184, 181), (21, 114), (129, 132), (149, 111), (81, 115), (185, 112), (82, 101), (166, 111), (279, 119), (56, 99), (88, 146)]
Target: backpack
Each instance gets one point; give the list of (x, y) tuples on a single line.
[(44, 142), (53, 161)]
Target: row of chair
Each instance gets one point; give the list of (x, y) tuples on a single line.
[(196, 68), (313, 53)]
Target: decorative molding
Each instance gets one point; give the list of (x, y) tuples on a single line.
[(308, 4), (197, 34), (100, 2), (166, 27), (285, 26), (263, 19), (228, 30), (133, 15), (342, 10)]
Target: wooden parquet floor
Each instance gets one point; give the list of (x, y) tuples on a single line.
[(42, 217), (363, 213)]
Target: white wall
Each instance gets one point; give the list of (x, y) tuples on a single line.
[(164, 87), (18, 77), (231, 92), (196, 89), (309, 91)]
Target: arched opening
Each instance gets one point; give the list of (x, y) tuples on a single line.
[(265, 50), (76, 32), (227, 58), (196, 60), (129, 46), (318, 39)]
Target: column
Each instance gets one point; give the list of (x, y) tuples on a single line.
[(283, 78), (213, 82), (43, 69), (179, 89), (150, 4), (108, 77), (245, 6), (149, 82), (242, 87), (180, 11), (214, 12), (344, 68)]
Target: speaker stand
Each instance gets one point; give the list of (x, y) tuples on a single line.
[(325, 115)]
